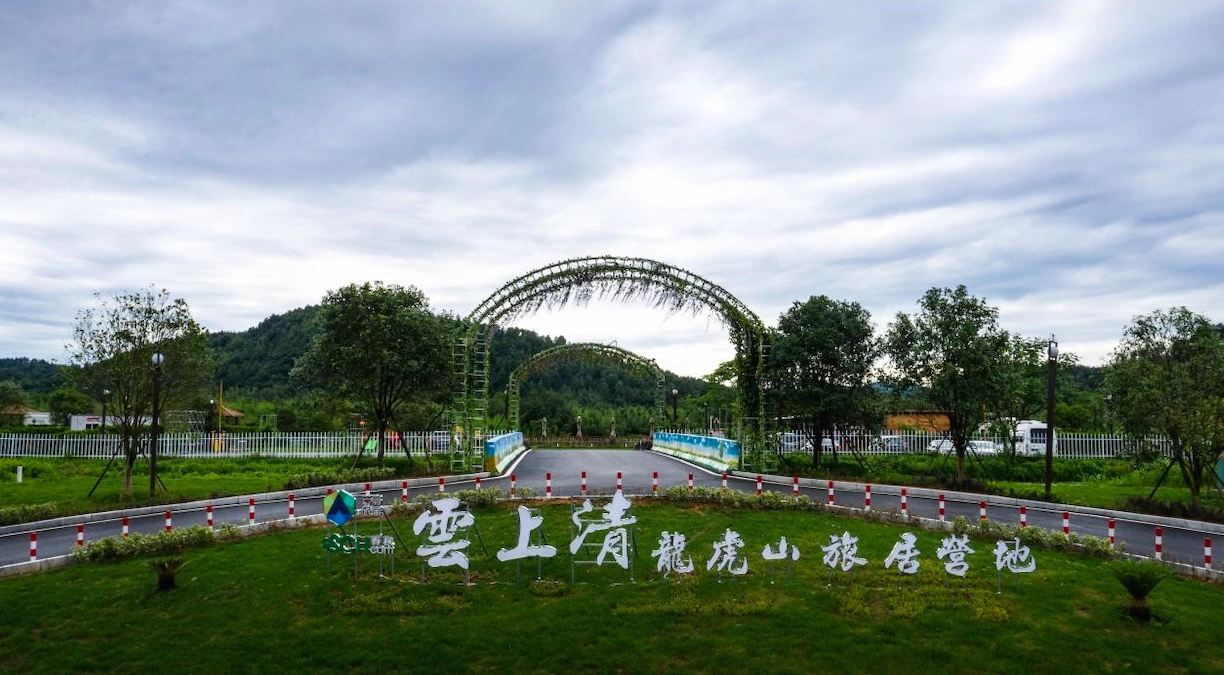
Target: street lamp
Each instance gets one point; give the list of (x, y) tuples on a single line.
[(157, 375), (1051, 369), (105, 396), (675, 402)]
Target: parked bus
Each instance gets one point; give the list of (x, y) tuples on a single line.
[(1030, 438)]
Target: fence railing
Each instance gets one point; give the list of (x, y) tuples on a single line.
[(1069, 445), (338, 444), (297, 445)]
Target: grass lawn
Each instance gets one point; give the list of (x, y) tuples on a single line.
[(67, 482), (267, 604)]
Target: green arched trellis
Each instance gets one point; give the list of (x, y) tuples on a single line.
[(578, 280), (587, 351)]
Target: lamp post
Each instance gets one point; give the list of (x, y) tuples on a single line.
[(157, 375), (1051, 369), (105, 396), (675, 403)]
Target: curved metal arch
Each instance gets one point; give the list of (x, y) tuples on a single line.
[(578, 280), (632, 362)]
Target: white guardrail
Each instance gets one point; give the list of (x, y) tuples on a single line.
[(337, 444), (297, 444)]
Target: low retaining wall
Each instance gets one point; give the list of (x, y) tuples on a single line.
[(500, 451), (711, 452)]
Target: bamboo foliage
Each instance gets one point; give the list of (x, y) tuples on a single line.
[(585, 352), (577, 281)]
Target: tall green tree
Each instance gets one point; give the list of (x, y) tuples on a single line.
[(379, 345), (821, 367), (1167, 376), (953, 350), (65, 401), (113, 345), (12, 403)]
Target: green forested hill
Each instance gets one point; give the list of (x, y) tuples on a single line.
[(258, 360), (34, 376)]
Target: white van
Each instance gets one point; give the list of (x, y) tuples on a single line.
[(1030, 438)]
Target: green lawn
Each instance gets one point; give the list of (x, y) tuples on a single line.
[(267, 604)]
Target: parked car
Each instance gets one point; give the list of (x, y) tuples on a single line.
[(889, 444), (944, 446)]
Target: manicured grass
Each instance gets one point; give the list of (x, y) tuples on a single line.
[(67, 482), (268, 604)]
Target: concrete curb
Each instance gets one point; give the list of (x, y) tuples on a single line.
[(994, 500)]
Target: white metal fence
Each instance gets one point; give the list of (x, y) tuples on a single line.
[(1069, 445), (302, 445)]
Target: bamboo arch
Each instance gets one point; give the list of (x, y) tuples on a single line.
[(577, 281)]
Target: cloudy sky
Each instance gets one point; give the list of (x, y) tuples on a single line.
[(1063, 160)]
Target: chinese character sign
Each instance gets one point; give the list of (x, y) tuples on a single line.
[(783, 552), (1014, 556), (904, 555), (726, 553), (954, 549), (443, 549), (670, 554), (842, 551), (614, 521), (524, 549)]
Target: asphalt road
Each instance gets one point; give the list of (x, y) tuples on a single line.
[(636, 469)]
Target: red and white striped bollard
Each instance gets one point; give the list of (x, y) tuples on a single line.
[(404, 491), (724, 481), (690, 482), (904, 502), (1160, 543), (80, 535), (207, 510), (251, 511), (125, 526), (548, 485), (441, 484), (618, 481), (169, 522), (795, 486), (942, 510), (291, 513), (654, 482), (513, 482), (1066, 522), (982, 512), (830, 493), (1207, 552), (1023, 516), (584, 483), (367, 490), (759, 485), (867, 497), (478, 482), (33, 546), (1111, 532)]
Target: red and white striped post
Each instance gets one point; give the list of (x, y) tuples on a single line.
[(80, 535), (478, 482), (690, 482), (367, 490), (867, 497), (169, 522), (904, 502), (724, 481), (291, 513), (125, 523), (548, 485), (207, 510), (584, 483), (759, 484), (619, 475), (1207, 552), (830, 493), (654, 482), (513, 482), (942, 510), (1066, 522), (1023, 516), (1160, 543), (1111, 532), (404, 491), (795, 486), (982, 512), (251, 511), (441, 483), (33, 546)]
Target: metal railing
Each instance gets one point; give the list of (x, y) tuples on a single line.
[(1069, 445), (293, 445)]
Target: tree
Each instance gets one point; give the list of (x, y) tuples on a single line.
[(65, 400), (113, 345), (381, 346), (821, 364), (954, 350), (12, 403), (1167, 376)]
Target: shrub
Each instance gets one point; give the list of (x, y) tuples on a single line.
[(167, 570), (116, 547), (321, 478), (1139, 579), (25, 513)]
